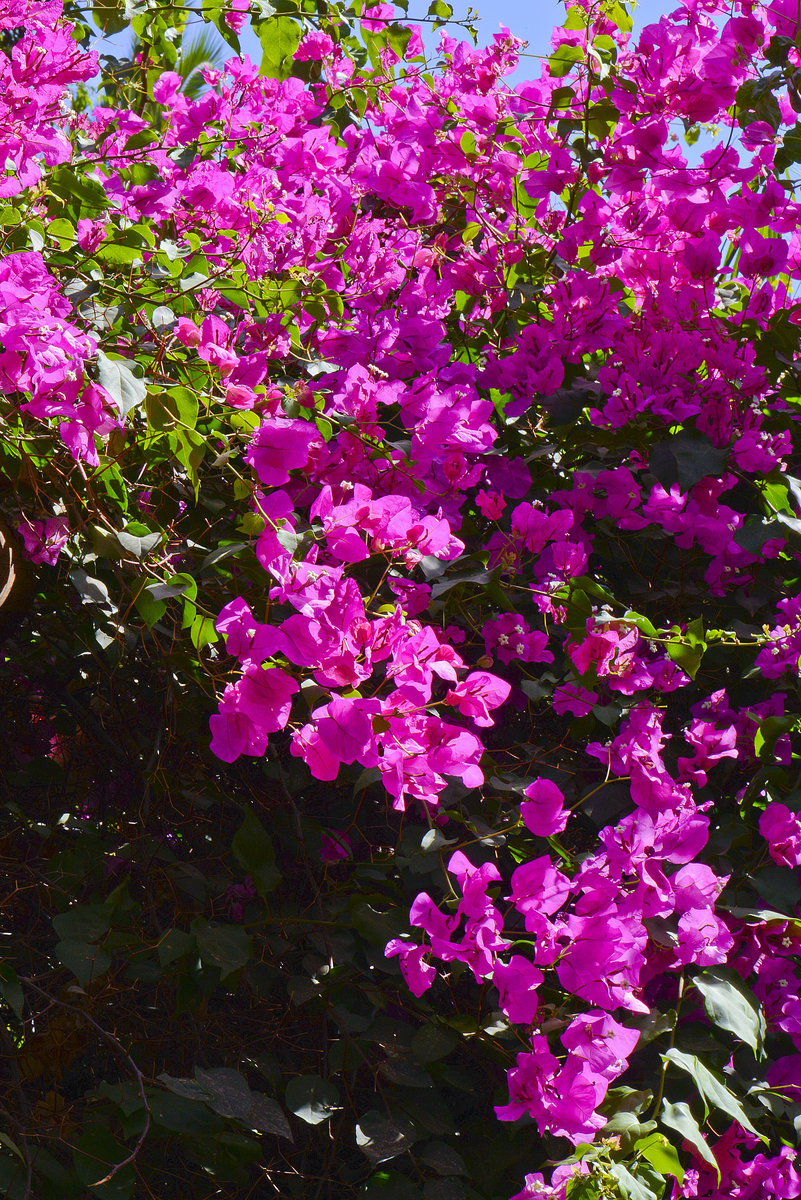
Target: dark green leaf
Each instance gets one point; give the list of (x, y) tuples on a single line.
[(381, 1138), (254, 851), (96, 1155), (686, 459), (312, 1099), (679, 1117), (712, 1088), (442, 1158), (83, 922), (445, 1189), (140, 545), (433, 1042), (180, 1114), (87, 962), (267, 1116), (731, 1005), (228, 947), (227, 1091)]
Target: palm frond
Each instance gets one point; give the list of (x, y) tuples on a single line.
[(205, 49)]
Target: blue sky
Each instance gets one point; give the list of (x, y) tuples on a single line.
[(530, 20)]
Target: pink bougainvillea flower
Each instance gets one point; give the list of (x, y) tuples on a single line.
[(781, 829), (517, 981), (543, 811), (233, 733), (477, 695), (264, 695), (538, 887), (418, 973), (604, 1043), (335, 847), (44, 540), (491, 504), (279, 447), (245, 638)]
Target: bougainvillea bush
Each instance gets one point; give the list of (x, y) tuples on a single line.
[(401, 606)]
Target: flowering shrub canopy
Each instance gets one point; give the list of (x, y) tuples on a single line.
[(402, 607)]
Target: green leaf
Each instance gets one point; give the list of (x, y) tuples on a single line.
[(227, 947), (203, 631), (398, 37), (564, 59), (109, 17), (627, 1124), (312, 1098), (575, 19), (769, 731), (389, 1185), (117, 254), (82, 196), (731, 1005), (138, 544), (712, 1088), (174, 944), (279, 37), (679, 1117), (220, 553), (467, 142), (167, 591), (642, 1186), (171, 408), (149, 609), (254, 851), (642, 623), (583, 1187), (121, 381), (62, 231), (660, 1154), (11, 1145), (578, 611), (189, 449), (688, 648)]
